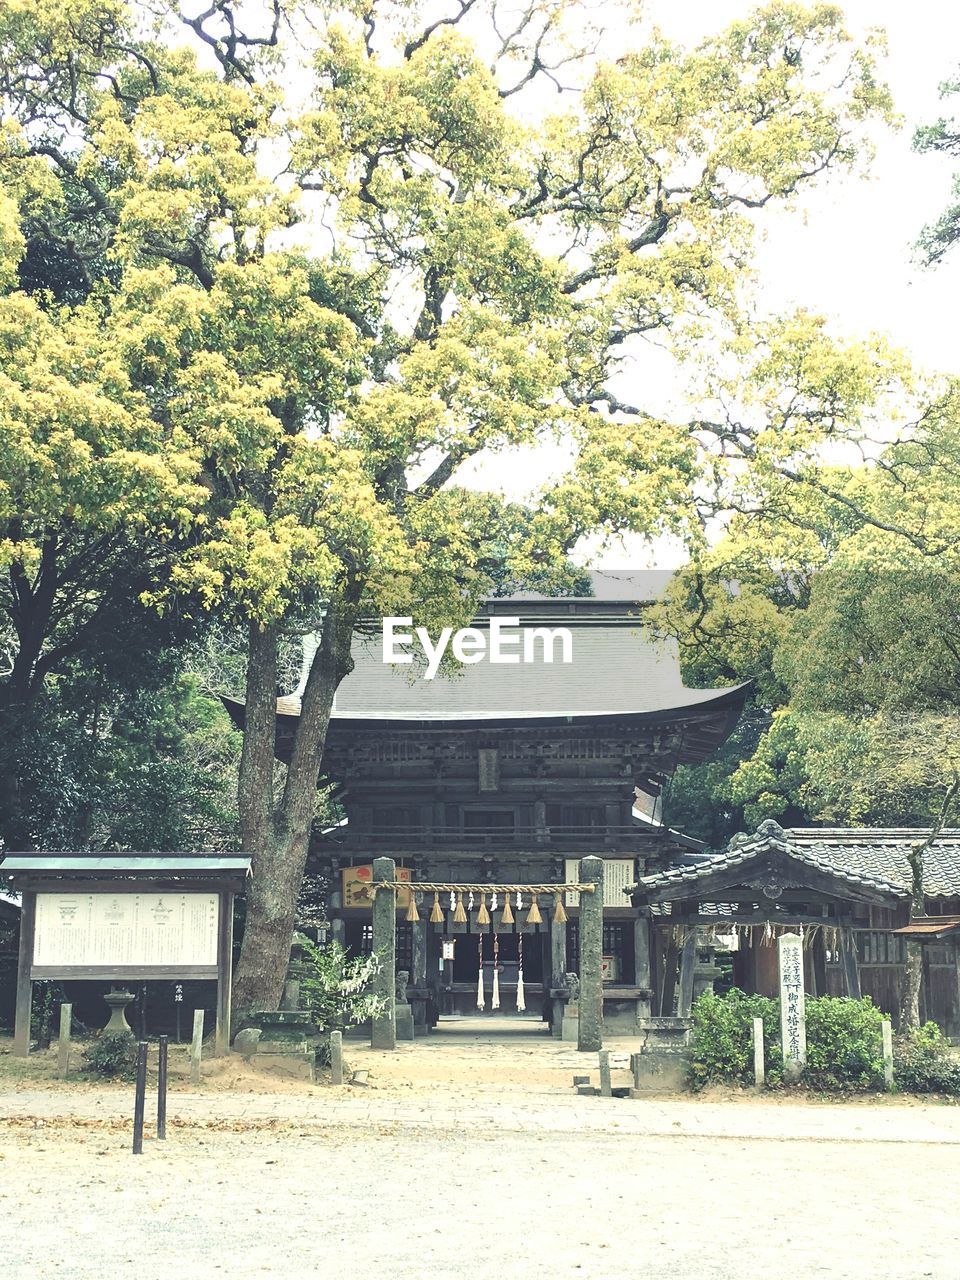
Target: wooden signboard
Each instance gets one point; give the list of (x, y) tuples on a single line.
[(122, 917), (355, 885)]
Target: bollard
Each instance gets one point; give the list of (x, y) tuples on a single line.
[(336, 1057), (196, 1046), (759, 1068), (886, 1031), (139, 1096), (162, 1088), (63, 1050), (605, 1088)]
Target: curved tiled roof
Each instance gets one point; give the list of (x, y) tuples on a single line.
[(747, 851)]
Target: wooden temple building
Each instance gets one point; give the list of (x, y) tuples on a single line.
[(511, 774)]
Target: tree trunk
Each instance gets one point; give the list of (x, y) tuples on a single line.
[(276, 832), (910, 994), (913, 973)]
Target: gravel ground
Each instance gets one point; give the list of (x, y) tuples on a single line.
[(471, 1159)]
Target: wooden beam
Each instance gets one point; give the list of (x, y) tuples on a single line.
[(851, 973), (224, 975), (688, 962), (21, 1029)]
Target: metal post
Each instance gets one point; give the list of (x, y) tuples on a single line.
[(63, 1049), (196, 1048), (162, 1088), (139, 1096)]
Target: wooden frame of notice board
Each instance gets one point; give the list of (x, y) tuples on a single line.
[(116, 917)]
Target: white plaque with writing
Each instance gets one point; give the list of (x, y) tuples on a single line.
[(793, 1021), (136, 929), (617, 874)]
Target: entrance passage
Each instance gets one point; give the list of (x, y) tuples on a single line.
[(500, 953)]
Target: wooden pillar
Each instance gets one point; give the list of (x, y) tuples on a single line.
[(419, 974), (819, 950), (956, 968), (383, 1031), (337, 924), (21, 1027), (669, 981), (688, 962), (590, 1033), (641, 960), (224, 975), (851, 972)]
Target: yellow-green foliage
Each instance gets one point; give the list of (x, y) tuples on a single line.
[(339, 261)]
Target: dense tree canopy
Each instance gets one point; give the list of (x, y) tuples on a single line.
[(316, 266)]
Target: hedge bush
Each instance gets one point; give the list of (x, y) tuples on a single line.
[(844, 1047), (922, 1063), (113, 1056)]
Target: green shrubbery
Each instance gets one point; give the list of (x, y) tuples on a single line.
[(843, 1041), (113, 1055), (922, 1063)]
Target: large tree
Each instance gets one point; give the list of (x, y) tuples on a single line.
[(360, 255)]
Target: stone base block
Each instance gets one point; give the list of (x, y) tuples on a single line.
[(404, 1022), (295, 1066), (570, 1029), (587, 1090)]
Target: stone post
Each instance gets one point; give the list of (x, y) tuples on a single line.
[(63, 1049), (793, 1022), (759, 1066), (886, 1032), (383, 1033), (336, 1057), (605, 1086), (590, 1035), (196, 1046)]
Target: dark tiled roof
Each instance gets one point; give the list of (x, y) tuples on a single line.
[(875, 857), (753, 849), (617, 669), (882, 852)]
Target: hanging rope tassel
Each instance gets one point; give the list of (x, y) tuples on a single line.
[(507, 917), (460, 916), (413, 915), (533, 915), (480, 1001), (483, 915), (436, 913), (559, 915), (521, 1003), (495, 998)]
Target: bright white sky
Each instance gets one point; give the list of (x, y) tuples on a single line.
[(847, 250)]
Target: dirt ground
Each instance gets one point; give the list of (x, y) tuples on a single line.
[(468, 1156)]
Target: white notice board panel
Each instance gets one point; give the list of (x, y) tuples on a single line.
[(618, 873), (121, 929)]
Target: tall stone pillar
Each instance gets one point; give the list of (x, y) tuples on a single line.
[(590, 1035), (384, 1026)]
